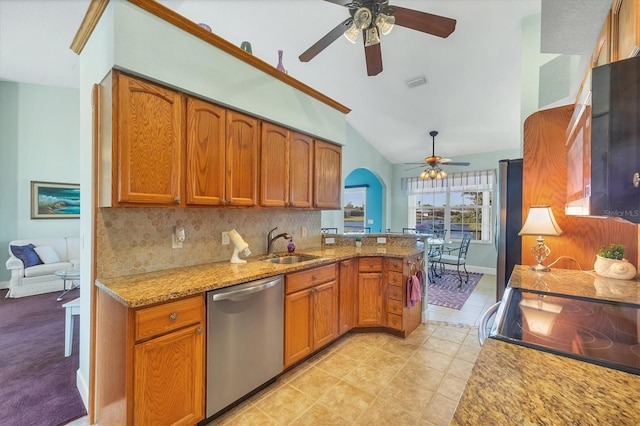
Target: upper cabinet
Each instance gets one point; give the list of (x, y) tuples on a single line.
[(285, 167), (242, 159), (327, 175), (146, 148), (625, 29)]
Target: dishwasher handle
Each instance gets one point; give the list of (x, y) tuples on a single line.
[(254, 287), (484, 322)]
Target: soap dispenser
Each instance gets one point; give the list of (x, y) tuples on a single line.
[(291, 247)]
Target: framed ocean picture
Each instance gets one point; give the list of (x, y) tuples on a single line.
[(52, 200)]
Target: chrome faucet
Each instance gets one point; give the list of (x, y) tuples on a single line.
[(271, 239)]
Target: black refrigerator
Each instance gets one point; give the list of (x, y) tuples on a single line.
[(509, 221)]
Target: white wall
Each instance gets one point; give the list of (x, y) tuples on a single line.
[(39, 141)]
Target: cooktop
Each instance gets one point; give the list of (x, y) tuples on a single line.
[(602, 332)]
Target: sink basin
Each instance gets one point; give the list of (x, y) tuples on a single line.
[(289, 259)]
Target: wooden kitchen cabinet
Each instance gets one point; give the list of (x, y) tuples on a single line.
[(241, 175), (310, 312), (579, 159), (348, 299), (399, 315), (327, 175), (625, 29), (370, 292), (285, 167), (150, 362), (206, 159), (142, 154)]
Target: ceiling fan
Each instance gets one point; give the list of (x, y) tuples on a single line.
[(433, 170), (373, 17)]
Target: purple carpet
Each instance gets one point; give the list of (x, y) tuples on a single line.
[(445, 291), (37, 382)]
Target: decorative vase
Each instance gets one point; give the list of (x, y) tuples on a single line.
[(614, 268), (246, 46), (280, 65), (205, 26)]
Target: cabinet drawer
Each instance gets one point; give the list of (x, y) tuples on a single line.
[(170, 316), (394, 306), (305, 279), (394, 264), (394, 321), (394, 292), (395, 278), (370, 264)]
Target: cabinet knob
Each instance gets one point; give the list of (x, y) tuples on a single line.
[(230, 201), (394, 279), (222, 201), (395, 264), (344, 263), (176, 200), (173, 316), (636, 179), (370, 264), (199, 330), (314, 277)]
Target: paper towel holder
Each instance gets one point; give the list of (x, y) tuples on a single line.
[(239, 246)]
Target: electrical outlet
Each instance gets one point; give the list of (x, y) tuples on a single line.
[(175, 243), (382, 240), (303, 231), (225, 238), (369, 221), (329, 240)]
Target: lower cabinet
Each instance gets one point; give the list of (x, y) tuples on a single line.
[(348, 299), (370, 292), (310, 312), (150, 362), (400, 315)]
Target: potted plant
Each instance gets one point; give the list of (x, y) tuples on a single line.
[(358, 240), (610, 263)]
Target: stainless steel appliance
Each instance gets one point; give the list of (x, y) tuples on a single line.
[(245, 342), (509, 200), (598, 331)]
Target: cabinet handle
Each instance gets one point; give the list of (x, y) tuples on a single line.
[(395, 293), (199, 330), (176, 200), (636, 179), (394, 279), (314, 277), (395, 264), (173, 316)]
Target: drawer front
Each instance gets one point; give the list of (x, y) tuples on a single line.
[(312, 277), (394, 321), (394, 264), (394, 293), (370, 264), (395, 278), (394, 306), (161, 319)]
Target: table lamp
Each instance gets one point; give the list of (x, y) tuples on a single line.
[(540, 221)]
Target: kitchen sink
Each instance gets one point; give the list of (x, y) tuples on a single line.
[(289, 259)]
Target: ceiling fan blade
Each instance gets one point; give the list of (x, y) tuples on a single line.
[(373, 54), (422, 166), (424, 22), (325, 41), (456, 163)]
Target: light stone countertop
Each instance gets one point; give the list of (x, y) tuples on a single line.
[(145, 289), (515, 385)]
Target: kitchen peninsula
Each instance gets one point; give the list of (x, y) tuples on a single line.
[(512, 384)]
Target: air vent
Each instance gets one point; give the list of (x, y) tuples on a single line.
[(415, 82)]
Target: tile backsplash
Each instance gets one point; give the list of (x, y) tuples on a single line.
[(137, 240)]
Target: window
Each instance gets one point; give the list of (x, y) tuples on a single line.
[(460, 204), (354, 206)]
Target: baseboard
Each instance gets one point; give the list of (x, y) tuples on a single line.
[(4, 284), (83, 389)]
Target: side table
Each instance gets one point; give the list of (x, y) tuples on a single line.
[(69, 274)]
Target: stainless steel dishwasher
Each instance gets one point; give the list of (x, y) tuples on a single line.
[(245, 345)]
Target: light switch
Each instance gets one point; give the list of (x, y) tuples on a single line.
[(382, 240), (225, 238)]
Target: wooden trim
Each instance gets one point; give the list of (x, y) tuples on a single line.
[(97, 7), (91, 18)]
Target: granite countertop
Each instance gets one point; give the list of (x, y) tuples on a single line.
[(145, 289), (512, 384)]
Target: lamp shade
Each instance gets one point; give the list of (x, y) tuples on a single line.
[(540, 221)]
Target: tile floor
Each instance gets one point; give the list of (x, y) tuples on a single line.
[(375, 378)]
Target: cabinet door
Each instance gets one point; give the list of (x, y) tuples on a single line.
[(242, 160), (579, 158), (626, 29), (325, 314), (370, 303), (168, 382), (348, 295), (148, 142), (327, 175), (298, 338), (300, 170), (274, 166), (205, 153)]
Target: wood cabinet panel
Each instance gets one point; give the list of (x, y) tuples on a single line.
[(300, 170), (205, 152), (626, 29), (309, 278), (161, 319), (325, 314), (169, 379), (370, 301), (242, 159), (327, 175), (147, 142), (298, 317), (274, 166), (348, 295), (370, 264)]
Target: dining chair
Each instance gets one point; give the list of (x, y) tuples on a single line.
[(435, 252), (456, 256), (329, 230)]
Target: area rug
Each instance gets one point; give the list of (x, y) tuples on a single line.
[(37, 382), (445, 291)]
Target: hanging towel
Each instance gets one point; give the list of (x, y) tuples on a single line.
[(414, 292)]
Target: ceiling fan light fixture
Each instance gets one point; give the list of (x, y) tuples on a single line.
[(362, 18), (352, 34), (385, 23), (372, 37)]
